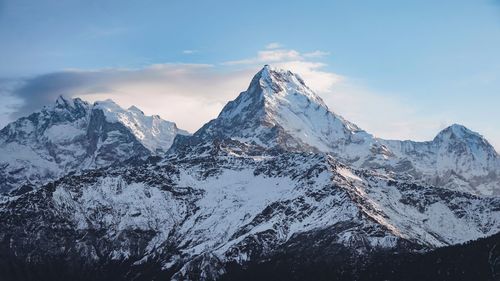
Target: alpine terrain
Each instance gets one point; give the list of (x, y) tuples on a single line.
[(72, 135), (277, 187)]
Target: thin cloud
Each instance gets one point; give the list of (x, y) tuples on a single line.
[(274, 45), (268, 56), (312, 72), (382, 114), (9, 103), (316, 54), (189, 52), (188, 94), (192, 94), (273, 55)]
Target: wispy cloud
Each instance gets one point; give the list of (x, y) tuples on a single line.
[(383, 114), (313, 72), (189, 52), (268, 56), (192, 94), (274, 45), (189, 94), (316, 54), (275, 53), (9, 102)]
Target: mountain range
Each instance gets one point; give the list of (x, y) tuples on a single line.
[(73, 135), (277, 177)]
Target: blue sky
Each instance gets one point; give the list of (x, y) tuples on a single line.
[(399, 69)]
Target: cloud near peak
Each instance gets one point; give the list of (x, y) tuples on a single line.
[(188, 94), (275, 53), (193, 94)]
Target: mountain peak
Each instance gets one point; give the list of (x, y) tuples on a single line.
[(461, 130), (108, 104), (268, 73), (468, 154), (278, 109), (134, 108), (70, 103), (457, 132), (274, 81), (72, 135), (61, 100)]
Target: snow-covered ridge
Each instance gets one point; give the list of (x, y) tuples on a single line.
[(456, 158), (279, 110), (152, 131), (71, 135), (237, 209), (276, 165)]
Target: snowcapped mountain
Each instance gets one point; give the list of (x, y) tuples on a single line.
[(72, 135), (193, 216), (279, 111), (457, 158), (152, 132), (275, 174)]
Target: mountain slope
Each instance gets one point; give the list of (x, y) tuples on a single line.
[(74, 135), (456, 158), (275, 174), (196, 214), (278, 111)]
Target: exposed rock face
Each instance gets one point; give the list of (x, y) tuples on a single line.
[(278, 111), (457, 158), (275, 175), (195, 215), (73, 135)]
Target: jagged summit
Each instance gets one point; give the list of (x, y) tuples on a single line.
[(64, 109), (72, 135), (61, 101), (152, 131), (68, 103), (279, 110), (136, 109), (231, 198), (275, 81)]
